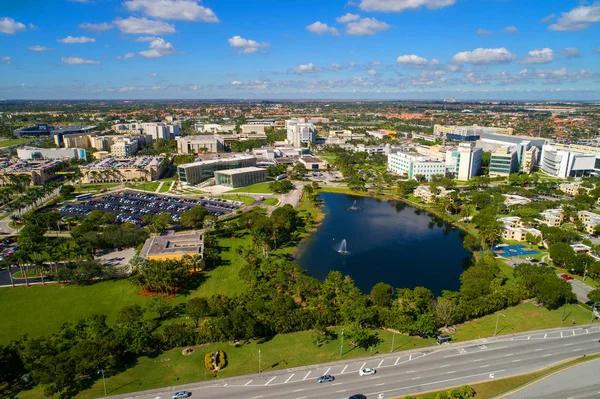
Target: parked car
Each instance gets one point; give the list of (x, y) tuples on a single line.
[(325, 378), (566, 277), (358, 396), (542, 264), (534, 260), (182, 394), (367, 371), (529, 258)]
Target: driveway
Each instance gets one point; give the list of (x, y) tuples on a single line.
[(581, 290)]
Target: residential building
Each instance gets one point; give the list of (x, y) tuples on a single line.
[(503, 162), (198, 144), (464, 162), (552, 217), (571, 189), (124, 147), (511, 199), (173, 246), (51, 153), (300, 132), (412, 165), (424, 192), (72, 140), (241, 177), (313, 163), (513, 229), (574, 161), (589, 219), (117, 170), (197, 172), (39, 171)]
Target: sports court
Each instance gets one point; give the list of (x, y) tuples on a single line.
[(514, 250)]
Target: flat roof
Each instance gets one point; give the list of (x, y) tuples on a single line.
[(172, 244), (211, 161), (308, 158), (239, 170)]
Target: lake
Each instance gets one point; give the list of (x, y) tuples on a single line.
[(386, 241)]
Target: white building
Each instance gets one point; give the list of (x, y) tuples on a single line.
[(299, 131), (124, 147), (196, 144), (50, 153), (564, 160), (464, 162), (411, 165)]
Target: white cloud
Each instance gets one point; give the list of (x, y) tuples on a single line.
[(92, 26), (154, 74), (246, 46), (76, 40), (411, 59), (511, 29), (365, 26), (79, 1), (250, 84), (484, 56), (158, 48), (548, 18), (372, 72), (483, 32), (144, 26), (195, 87), (77, 61), (375, 63), (186, 10), (6, 60), (579, 18), (126, 56), (306, 68), (143, 39), (403, 5), (539, 56), (321, 28), (32, 26), (39, 48), (571, 52), (9, 26), (347, 18)]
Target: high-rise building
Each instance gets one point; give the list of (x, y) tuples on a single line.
[(527, 156), (124, 147), (504, 161), (299, 131), (464, 162), (468, 133)]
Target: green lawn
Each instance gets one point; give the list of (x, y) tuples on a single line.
[(9, 143), (270, 201), (90, 188), (247, 200), (165, 187), (521, 318), (281, 352), (148, 186), (260, 188)]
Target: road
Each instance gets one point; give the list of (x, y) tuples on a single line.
[(406, 372), (581, 290)]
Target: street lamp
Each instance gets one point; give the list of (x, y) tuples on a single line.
[(103, 379), (342, 343), (497, 319), (259, 360), (393, 337)]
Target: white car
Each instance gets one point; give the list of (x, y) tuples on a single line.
[(367, 371)]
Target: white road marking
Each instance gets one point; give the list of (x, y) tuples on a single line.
[(298, 390), (410, 357), (529, 337), (301, 397), (397, 360), (256, 397), (336, 383), (380, 363), (289, 378), (575, 350), (586, 331), (477, 360), (306, 376), (445, 365), (343, 390), (509, 354), (539, 349), (410, 371), (327, 371), (545, 335), (363, 366), (378, 385), (248, 383), (549, 354), (517, 360), (568, 344), (561, 334), (486, 365), (415, 378), (270, 380), (345, 367), (451, 372), (573, 332)]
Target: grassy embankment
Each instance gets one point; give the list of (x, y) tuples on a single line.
[(12, 142), (260, 188)]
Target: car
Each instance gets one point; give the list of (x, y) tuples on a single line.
[(513, 264), (358, 396), (542, 264), (182, 394), (529, 258), (367, 371), (534, 260), (325, 378), (566, 277)]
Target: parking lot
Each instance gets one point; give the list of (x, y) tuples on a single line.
[(130, 207)]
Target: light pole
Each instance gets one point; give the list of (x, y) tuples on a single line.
[(342, 343), (497, 319), (393, 337), (259, 360), (103, 380)]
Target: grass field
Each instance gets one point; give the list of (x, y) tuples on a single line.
[(91, 188), (165, 187), (270, 201), (148, 186), (9, 143), (247, 200), (281, 352), (260, 188)]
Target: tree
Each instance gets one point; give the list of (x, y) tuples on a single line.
[(281, 187), (382, 295), (445, 310), (471, 243), (561, 253), (407, 187), (193, 218), (197, 308), (131, 314), (594, 295), (362, 337), (161, 222)]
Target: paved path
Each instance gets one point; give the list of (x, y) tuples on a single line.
[(404, 373), (581, 381)]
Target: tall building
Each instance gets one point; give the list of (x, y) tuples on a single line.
[(124, 147), (468, 133), (197, 172), (299, 131), (464, 162), (411, 165), (504, 161), (527, 155), (566, 160)]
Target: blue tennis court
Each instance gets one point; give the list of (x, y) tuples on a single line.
[(515, 250)]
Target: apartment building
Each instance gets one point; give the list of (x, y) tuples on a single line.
[(124, 147), (552, 217), (590, 220), (513, 229)]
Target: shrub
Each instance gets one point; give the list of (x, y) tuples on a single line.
[(222, 360), (208, 361)]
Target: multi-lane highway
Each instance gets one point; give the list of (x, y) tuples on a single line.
[(407, 372)]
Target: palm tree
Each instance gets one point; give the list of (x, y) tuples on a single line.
[(20, 259)]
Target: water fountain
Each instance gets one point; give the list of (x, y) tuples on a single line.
[(354, 207), (343, 250)]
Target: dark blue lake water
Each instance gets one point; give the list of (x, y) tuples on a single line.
[(386, 241)]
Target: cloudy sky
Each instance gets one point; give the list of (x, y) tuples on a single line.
[(321, 49)]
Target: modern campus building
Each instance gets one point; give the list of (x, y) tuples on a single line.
[(527, 156), (117, 170), (241, 177), (513, 229), (197, 172), (504, 161), (39, 171), (312, 163), (157, 130), (300, 131), (570, 160), (468, 133), (50, 153), (47, 130), (124, 147), (197, 144), (411, 165), (464, 162), (173, 246)]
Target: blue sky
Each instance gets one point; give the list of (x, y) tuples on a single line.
[(288, 49)]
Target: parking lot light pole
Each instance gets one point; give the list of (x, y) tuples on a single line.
[(342, 343), (103, 380), (259, 360), (393, 337), (497, 319)]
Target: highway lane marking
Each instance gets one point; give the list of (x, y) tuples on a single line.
[(410, 371), (257, 397), (445, 365), (467, 353), (549, 354), (410, 357), (397, 360), (509, 354), (517, 360), (545, 335), (289, 378), (337, 383), (586, 331), (477, 360), (415, 378), (306, 376), (378, 385), (451, 372), (487, 365), (561, 334), (298, 390), (344, 369), (380, 363), (573, 332), (568, 344), (342, 390), (363, 366), (327, 371), (539, 349), (301, 397), (575, 350), (248, 383), (270, 380), (529, 337)]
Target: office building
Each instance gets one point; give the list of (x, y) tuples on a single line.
[(412, 165), (464, 162), (124, 147), (504, 162), (313, 163), (199, 144), (300, 132), (197, 172), (245, 129), (570, 161), (38, 171), (51, 153), (173, 246), (468, 133), (241, 177), (527, 156), (117, 170)]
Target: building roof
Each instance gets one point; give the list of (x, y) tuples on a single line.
[(212, 161), (311, 159), (172, 244), (240, 170)]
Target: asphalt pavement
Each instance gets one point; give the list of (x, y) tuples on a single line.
[(581, 290), (404, 373)]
